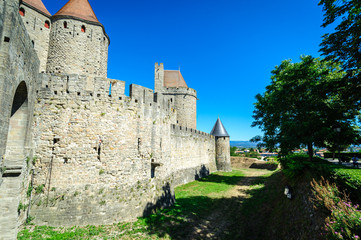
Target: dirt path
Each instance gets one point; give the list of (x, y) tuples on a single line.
[(217, 224)]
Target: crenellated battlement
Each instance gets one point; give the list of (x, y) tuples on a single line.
[(181, 91), (82, 88), (179, 130)]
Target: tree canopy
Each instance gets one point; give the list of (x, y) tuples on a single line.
[(301, 107), (344, 44)]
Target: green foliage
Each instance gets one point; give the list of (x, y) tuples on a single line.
[(29, 220), (233, 151), (301, 107), (101, 171), (344, 221), (349, 178), (34, 160), (30, 189), (343, 45), (22, 207), (39, 189), (352, 177)]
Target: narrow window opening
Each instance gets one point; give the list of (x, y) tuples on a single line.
[(139, 142), (32, 41), (99, 148), (98, 95), (120, 98), (6, 39), (78, 93), (47, 24), (110, 89), (56, 92), (91, 94), (83, 29), (136, 100), (46, 86), (152, 171), (22, 12), (65, 25)]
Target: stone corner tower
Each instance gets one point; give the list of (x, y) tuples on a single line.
[(78, 41), (171, 83), (37, 21), (223, 157)]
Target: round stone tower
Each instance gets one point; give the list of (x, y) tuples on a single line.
[(171, 83), (78, 41), (37, 21), (223, 156)]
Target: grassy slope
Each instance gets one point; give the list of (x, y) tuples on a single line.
[(193, 202), (264, 214)]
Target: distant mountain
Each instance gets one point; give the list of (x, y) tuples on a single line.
[(243, 144)]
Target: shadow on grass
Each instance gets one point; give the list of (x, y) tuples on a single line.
[(202, 217)]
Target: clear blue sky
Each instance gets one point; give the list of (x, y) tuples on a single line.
[(225, 49)]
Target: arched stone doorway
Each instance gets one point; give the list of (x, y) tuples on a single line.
[(18, 125)]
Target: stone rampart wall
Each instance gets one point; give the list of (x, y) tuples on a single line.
[(106, 157), (18, 63)]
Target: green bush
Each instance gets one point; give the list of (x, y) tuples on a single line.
[(344, 221)]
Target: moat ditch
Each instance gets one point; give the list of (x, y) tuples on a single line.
[(242, 204)]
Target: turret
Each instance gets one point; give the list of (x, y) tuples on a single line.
[(172, 84), (223, 157), (37, 21), (78, 41)]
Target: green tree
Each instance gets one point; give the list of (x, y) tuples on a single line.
[(344, 45), (301, 107), (233, 151)]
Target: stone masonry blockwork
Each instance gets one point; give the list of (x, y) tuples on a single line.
[(90, 154)]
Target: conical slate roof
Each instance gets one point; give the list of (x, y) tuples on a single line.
[(219, 130), (78, 8), (37, 4), (174, 78)]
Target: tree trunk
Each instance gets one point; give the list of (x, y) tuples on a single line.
[(310, 151)]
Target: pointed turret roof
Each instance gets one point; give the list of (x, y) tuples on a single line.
[(38, 5), (219, 130), (174, 78), (79, 9)]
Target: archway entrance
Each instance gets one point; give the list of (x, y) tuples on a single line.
[(18, 125)]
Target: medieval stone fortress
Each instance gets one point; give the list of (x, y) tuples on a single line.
[(75, 150)]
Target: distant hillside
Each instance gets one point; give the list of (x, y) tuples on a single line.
[(243, 144)]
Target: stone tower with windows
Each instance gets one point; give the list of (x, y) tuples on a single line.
[(78, 42), (37, 21), (171, 83), (223, 158)]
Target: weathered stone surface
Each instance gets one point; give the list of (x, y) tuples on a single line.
[(95, 156), (72, 51), (128, 147)]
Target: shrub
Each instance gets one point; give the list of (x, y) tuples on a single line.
[(344, 221)]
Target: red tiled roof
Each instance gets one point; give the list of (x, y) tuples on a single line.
[(78, 8), (174, 78), (38, 4)]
